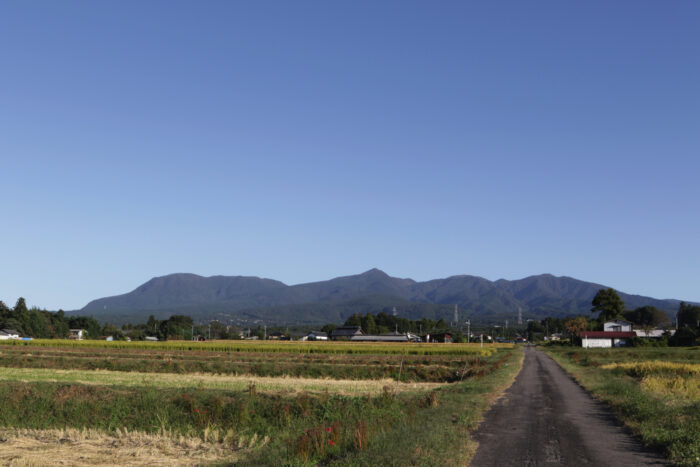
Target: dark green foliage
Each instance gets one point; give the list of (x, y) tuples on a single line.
[(647, 316), (33, 322), (386, 323), (689, 315), (609, 303)]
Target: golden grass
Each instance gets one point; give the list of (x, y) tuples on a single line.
[(676, 383), (655, 367), (678, 387), (63, 447), (208, 381)]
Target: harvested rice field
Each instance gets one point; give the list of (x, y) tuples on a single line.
[(177, 403)]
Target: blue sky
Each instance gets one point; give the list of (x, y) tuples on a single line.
[(306, 140)]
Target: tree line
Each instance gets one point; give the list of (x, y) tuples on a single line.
[(42, 324)]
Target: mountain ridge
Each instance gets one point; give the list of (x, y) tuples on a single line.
[(232, 298)]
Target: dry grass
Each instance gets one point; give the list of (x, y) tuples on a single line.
[(655, 367), (91, 447), (209, 381)]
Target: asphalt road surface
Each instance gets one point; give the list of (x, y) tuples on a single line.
[(546, 418)]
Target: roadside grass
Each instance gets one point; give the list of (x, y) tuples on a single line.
[(440, 434), (657, 399), (210, 381)]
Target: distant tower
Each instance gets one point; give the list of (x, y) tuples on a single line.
[(394, 312), (520, 315), (456, 319)]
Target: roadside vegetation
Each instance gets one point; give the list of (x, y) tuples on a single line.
[(655, 391)]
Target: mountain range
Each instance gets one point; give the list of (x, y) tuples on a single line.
[(243, 299)]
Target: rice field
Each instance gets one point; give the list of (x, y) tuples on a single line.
[(327, 347), (283, 384), (248, 403)]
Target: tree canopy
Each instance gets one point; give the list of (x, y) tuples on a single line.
[(609, 303)]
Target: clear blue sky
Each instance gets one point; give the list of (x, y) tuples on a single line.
[(306, 140)]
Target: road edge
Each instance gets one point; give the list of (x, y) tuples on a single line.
[(492, 398)]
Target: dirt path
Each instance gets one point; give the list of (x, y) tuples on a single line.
[(546, 418)]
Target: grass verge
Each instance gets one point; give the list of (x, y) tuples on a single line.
[(668, 420)]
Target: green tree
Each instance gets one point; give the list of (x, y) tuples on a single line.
[(689, 315), (369, 326), (647, 316), (609, 303)]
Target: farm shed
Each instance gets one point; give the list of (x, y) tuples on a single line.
[(345, 333), (382, 338), (9, 334), (605, 339), (443, 337), (316, 336)]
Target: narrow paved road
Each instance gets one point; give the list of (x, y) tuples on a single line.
[(546, 418)]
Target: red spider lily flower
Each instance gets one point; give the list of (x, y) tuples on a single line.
[(196, 410), (331, 443), (329, 429), (252, 411)]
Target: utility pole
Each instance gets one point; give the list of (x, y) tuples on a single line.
[(265, 332), (469, 330)]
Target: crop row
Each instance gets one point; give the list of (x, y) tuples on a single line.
[(408, 370), (276, 347), (362, 359)]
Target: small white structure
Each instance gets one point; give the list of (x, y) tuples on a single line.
[(77, 334), (656, 333), (315, 336), (617, 325), (9, 334)]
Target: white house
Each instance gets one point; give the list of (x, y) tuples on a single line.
[(617, 325), (615, 334), (9, 334)]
